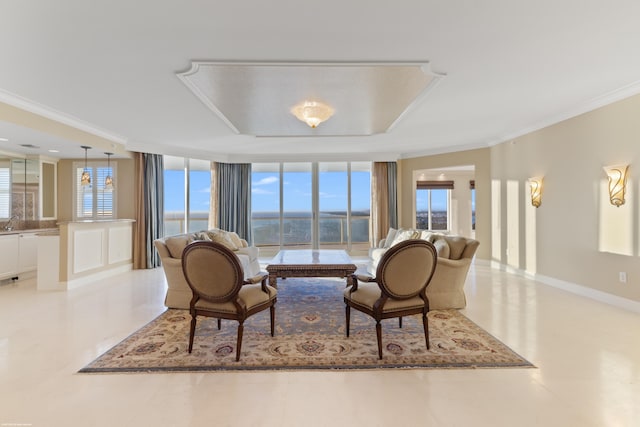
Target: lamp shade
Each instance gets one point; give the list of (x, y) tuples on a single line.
[(108, 181), (85, 179)]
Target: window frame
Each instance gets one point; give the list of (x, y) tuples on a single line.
[(428, 187), (98, 171)]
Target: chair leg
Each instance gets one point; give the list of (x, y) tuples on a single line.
[(219, 324), (272, 314), (192, 332), (348, 317), (425, 323), (400, 322), (379, 335), (239, 343)]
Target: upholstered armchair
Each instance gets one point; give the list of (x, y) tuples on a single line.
[(398, 289), (214, 274)]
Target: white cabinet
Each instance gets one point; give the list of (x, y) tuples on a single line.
[(18, 254), (9, 250), (28, 254)]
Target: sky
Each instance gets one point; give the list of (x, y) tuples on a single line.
[(265, 191), (438, 200), (297, 191)]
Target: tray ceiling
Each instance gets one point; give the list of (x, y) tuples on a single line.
[(256, 98)]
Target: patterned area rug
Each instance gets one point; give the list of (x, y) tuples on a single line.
[(310, 334)]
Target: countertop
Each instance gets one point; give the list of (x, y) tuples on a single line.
[(30, 230)]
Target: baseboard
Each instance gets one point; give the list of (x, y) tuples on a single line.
[(81, 281), (574, 288)]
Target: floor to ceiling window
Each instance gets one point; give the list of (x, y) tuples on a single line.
[(297, 205), (311, 205), (187, 194)]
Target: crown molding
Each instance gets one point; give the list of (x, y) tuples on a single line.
[(593, 104), (57, 116)]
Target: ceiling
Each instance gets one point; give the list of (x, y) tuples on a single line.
[(112, 70)]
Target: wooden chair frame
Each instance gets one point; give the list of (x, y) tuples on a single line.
[(241, 313), (377, 312)]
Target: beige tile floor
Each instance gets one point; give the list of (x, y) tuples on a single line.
[(587, 354)]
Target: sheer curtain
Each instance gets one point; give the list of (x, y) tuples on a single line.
[(384, 209), (234, 197), (149, 176)]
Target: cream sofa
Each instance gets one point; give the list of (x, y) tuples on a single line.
[(170, 250), (455, 254)]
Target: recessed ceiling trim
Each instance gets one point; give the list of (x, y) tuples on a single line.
[(426, 68), (185, 78), (255, 98)]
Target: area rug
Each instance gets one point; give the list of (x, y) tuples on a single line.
[(309, 334)]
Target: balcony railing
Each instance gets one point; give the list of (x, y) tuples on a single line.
[(296, 228)]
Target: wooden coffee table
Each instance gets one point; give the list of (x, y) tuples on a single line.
[(310, 263)]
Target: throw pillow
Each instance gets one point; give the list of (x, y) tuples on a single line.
[(235, 239), (457, 245), (224, 240), (212, 232), (442, 248), (405, 235), (391, 234), (427, 235), (200, 235)]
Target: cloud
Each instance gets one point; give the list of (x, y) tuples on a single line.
[(266, 181)]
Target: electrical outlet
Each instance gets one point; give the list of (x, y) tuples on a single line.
[(622, 277)]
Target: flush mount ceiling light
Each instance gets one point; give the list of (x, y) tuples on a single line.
[(312, 112), (85, 179)]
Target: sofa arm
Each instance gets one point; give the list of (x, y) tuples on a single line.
[(382, 242), (162, 249), (446, 289)]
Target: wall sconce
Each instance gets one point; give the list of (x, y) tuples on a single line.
[(617, 183), (536, 190), (108, 181), (85, 179)]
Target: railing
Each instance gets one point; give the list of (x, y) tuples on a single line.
[(296, 228)]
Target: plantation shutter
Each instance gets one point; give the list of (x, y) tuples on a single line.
[(5, 192)]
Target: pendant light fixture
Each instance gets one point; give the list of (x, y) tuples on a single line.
[(108, 181), (85, 180)]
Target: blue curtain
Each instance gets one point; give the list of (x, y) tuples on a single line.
[(154, 204), (149, 209), (234, 198)]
